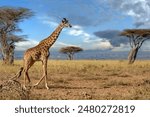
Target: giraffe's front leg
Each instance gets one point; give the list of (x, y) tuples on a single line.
[(39, 81), (45, 72), (44, 64), (46, 83)]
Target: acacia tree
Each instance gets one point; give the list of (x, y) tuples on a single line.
[(11, 40), (9, 19), (136, 39), (70, 51)]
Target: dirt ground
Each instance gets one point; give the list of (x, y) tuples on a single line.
[(87, 80)]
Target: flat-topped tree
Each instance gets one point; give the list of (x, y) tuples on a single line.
[(10, 17), (136, 39), (70, 51)]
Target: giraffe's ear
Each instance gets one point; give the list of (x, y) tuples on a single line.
[(64, 20)]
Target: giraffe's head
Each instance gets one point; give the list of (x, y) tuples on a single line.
[(66, 23)]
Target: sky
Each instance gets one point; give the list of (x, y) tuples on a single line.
[(96, 23)]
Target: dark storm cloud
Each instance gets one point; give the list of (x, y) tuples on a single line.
[(113, 36)]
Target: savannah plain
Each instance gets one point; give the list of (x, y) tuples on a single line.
[(87, 79)]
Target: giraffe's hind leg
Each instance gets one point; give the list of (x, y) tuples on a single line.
[(27, 66)]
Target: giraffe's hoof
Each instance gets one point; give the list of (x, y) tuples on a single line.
[(47, 87), (34, 85), (24, 87)]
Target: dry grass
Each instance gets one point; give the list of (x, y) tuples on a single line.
[(88, 79)]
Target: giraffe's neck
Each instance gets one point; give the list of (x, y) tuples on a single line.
[(49, 41)]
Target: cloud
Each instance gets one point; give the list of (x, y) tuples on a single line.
[(122, 47), (97, 44), (78, 31), (101, 45), (138, 24), (24, 45), (104, 45), (75, 32), (112, 36), (137, 9)]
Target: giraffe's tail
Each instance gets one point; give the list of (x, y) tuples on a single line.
[(18, 74)]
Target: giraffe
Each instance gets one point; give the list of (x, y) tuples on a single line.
[(41, 53)]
